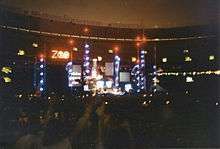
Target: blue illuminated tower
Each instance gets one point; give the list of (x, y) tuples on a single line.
[(142, 77), (138, 73), (40, 75), (116, 70), (86, 62)]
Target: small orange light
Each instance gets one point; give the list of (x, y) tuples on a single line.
[(86, 30), (138, 44), (116, 49), (144, 39), (71, 41), (138, 38)]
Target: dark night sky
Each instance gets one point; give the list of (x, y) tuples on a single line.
[(151, 13)]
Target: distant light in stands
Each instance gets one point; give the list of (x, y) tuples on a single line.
[(185, 51), (106, 103), (144, 103), (167, 102), (133, 59), (138, 90), (7, 79), (164, 60), (216, 103), (99, 58), (211, 57), (154, 67), (110, 51), (188, 59), (75, 49), (21, 52), (7, 70), (35, 45), (189, 79), (86, 46)]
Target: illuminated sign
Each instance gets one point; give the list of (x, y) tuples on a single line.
[(57, 54)]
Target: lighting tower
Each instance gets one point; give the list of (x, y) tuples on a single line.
[(86, 62), (142, 75), (116, 70), (40, 75), (138, 73)]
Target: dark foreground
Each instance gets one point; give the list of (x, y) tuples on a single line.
[(110, 122)]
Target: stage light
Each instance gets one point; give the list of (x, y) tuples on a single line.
[(41, 89)]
